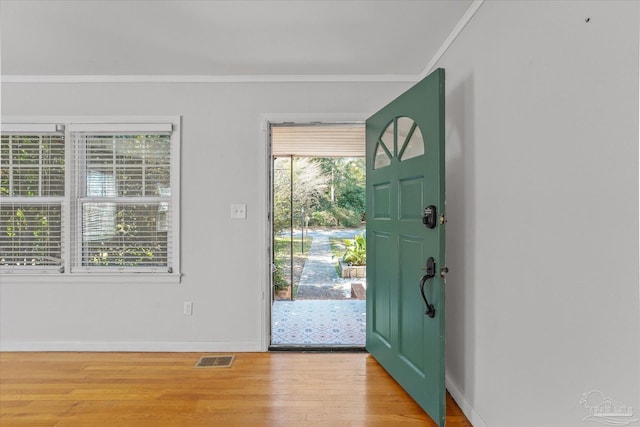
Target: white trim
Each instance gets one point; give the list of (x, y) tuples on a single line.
[(264, 237), (264, 122), (335, 78), (466, 18), (28, 128), (306, 118), (36, 200), (69, 150), (176, 177), (18, 119), (639, 187), (141, 346), (469, 411), (121, 127), (54, 277)]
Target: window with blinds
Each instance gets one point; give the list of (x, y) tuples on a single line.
[(124, 206), (115, 213), (32, 187)]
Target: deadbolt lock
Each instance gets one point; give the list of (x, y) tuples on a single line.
[(429, 217)]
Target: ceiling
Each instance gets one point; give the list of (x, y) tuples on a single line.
[(224, 38)]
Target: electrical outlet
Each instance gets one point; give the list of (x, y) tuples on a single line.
[(188, 308), (238, 211)]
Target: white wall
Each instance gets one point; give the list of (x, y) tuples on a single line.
[(223, 161), (542, 201)]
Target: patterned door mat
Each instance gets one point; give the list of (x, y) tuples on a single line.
[(317, 322)]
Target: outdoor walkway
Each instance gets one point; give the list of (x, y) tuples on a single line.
[(319, 279), (323, 312)]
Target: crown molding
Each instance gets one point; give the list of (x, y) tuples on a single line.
[(466, 18), (347, 78)]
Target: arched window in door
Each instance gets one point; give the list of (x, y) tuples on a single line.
[(401, 138)]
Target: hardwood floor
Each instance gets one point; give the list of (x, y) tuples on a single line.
[(164, 389)]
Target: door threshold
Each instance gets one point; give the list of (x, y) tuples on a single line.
[(319, 348)]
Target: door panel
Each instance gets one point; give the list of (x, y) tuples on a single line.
[(410, 199), (411, 330), (381, 320), (405, 174), (382, 201)]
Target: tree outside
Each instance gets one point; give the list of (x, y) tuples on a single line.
[(330, 192), (312, 192)]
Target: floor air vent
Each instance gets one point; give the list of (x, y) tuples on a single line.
[(215, 362)]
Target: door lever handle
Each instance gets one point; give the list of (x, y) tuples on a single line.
[(430, 274)]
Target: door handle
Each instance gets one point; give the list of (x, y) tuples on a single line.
[(430, 274)]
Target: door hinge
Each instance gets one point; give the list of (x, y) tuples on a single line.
[(443, 219)]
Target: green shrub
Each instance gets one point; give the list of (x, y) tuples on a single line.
[(323, 219), (279, 280), (356, 253), (345, 217)]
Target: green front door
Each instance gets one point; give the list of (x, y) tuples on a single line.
[(405, 183)]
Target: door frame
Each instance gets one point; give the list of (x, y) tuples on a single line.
[(266, 120)]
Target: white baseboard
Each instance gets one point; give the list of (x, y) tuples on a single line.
[(105, 346), (469, 411)]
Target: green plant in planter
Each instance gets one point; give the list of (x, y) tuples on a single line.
[(278, 276), (356, 250)]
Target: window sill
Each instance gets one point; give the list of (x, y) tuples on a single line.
[(110, 278)]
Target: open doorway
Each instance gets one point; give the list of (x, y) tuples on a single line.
[(318, 235)]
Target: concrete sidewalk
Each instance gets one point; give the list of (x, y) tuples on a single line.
[(319, 279)]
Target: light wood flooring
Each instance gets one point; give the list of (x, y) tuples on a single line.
[(164, 389)]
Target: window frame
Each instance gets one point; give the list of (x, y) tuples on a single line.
[(109, 125)]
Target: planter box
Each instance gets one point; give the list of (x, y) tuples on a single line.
[(352, 271), (283, 294)]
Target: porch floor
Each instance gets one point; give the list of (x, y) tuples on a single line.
[(318, 322)]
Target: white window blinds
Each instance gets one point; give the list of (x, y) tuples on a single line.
[(32, 187), (123, 207), (90, 198), (321, 140)]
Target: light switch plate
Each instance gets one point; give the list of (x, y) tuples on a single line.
[(238, 211), (188, 308)]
